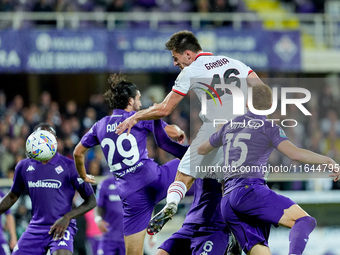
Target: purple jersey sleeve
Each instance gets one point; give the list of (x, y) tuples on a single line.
[(85, 189), (166, 143), (90, 138), (18, 185), (277, 135), (215, 139)]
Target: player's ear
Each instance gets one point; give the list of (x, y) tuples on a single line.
[(131, 101), (186, 53)]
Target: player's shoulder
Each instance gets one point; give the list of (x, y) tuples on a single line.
[(64, 160), (234, 62), (275, 128), (105, 119), (25, 162)]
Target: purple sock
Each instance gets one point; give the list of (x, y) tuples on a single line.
[(299, 234)]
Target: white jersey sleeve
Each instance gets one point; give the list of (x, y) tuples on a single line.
[(182, 83)]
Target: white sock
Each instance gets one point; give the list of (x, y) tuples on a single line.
[(176, 192)]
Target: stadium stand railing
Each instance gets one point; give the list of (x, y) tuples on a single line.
[(319, 30)]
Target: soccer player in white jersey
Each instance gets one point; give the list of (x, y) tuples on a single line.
[(200, 71)]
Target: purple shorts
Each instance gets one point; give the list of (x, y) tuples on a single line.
[(111, 247), (138, 206), (250, 210), (197, 239), (39, 242)]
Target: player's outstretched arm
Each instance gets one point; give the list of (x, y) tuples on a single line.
[(308, 157), (79, 160), (164, 142), (60, 225), (205, 148), (8, 200), (156, 111)]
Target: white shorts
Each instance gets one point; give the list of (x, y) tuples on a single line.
[(200, 166)]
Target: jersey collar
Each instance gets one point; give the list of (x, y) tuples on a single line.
[(55, 159), (203, 54), (255, 116)]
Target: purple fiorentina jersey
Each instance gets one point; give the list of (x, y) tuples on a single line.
[(109, 200), (51, 188), (247, 144), (126, 155), (205, 208)]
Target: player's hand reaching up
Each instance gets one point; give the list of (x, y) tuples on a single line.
[(59, 227), (127, 124)]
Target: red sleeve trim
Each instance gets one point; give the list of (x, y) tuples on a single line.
[(178, 92), (250, 72)]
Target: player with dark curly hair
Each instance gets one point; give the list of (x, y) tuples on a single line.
[(141, 183)]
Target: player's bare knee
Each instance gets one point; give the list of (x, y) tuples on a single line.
[(292, 214), (259, 249)]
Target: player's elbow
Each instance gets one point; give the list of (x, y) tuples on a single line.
[(79, 151), (92, 202), (201, 150)]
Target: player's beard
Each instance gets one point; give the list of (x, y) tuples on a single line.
[(136, 107)]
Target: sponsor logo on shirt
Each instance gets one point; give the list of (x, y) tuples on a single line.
[(114, 198), (30, 168), (80, 180), (47, 183), (129, 170), (59, 169), (62, 243), (112, 187), (282, 133)]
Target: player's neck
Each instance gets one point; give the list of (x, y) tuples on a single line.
[(196, 54), (129, 108), (45, 162)]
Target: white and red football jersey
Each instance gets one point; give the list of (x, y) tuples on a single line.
[(206, 77)]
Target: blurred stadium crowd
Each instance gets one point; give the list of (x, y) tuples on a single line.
[(299, 6), (319, 132)]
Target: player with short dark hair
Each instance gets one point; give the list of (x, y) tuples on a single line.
[(249, 207), (51, 186), (141, 183)]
